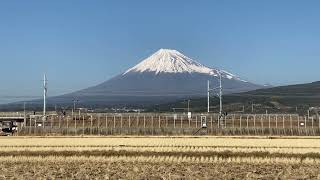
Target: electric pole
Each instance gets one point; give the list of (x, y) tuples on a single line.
[(24, 114), (45, 89), (24, 108), (74, 104), (208, 96), (252, 108), (220, 94)]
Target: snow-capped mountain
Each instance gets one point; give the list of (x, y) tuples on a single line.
[(172, 61), (167, 75)]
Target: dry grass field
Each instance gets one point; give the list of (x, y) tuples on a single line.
[(159, 158)]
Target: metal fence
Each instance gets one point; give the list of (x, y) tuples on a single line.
[(171, 124)]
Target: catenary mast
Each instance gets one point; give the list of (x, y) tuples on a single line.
[(45, 89)]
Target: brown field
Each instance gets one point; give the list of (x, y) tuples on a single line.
[(159, 157)]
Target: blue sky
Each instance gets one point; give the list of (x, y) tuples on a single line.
[(82, 43)]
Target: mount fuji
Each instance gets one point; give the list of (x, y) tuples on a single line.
[(167, 75)]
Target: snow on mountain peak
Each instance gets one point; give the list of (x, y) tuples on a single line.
[(172, 61)]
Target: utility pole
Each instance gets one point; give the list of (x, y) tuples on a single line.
[(24, 108), (45, 89), (24, 114), (252, 108), (220, 94), (188, 105), (74, 104), (208, 96)]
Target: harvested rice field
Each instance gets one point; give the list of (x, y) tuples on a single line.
[(159, 158)]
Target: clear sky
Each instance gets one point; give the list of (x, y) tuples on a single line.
[(80, 43)]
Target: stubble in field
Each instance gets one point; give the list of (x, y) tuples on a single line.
[(159, 158)]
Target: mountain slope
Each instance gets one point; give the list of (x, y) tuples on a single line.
[(293, 98), (172, 61), (164, 76)]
